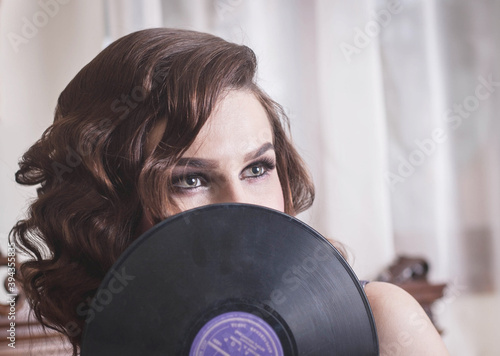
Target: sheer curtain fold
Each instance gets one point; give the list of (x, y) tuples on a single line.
[(353, 200), (126, 16), (420, 170), (441, 78)]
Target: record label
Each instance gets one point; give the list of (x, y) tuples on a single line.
[(236, 333)]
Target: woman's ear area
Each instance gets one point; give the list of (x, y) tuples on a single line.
[(403, 327)]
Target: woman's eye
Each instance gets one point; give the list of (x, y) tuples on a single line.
[(254, 171), (257, 170), (188, 182)]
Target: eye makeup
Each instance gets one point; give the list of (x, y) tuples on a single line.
[(194, 177)]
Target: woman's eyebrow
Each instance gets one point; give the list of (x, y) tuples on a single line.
[(201, 163), (197, 163), (259, 151)]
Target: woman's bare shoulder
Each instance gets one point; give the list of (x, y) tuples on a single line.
[(402, 325)]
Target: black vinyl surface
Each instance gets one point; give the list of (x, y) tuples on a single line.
[(230, 257)]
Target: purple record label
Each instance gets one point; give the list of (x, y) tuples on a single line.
[(236, 334)]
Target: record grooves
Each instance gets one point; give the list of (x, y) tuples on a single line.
[(231, 279)]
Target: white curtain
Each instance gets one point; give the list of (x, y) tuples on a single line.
[(42, 46), (440, 62), (442, 80), (385, 108)]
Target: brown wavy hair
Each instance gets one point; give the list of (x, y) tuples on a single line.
[(96, 175)]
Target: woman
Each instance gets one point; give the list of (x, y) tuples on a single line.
[(159, 122)]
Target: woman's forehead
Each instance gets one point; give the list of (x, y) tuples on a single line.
[(238, 125)]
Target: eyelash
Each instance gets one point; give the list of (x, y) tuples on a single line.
[(267, 163), (180, 178)]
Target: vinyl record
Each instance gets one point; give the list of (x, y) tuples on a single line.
[(230, 279)]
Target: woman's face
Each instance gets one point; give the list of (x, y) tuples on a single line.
[(232, 160)]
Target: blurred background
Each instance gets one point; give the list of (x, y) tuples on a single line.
[(392, 104)]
